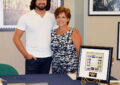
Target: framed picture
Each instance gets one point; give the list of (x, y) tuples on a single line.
[(118, 42), (95, 63), (104, 7), (12, 10)]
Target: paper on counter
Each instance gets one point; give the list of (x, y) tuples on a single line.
[(72, 76)]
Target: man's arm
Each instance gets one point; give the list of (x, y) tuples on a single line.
[(17, 40)]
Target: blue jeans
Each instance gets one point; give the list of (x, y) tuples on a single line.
[(39, 66)]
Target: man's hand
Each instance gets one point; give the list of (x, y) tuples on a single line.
[(30, 57)]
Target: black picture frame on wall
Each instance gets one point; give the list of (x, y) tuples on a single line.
[(12, 10), (103, 7), (118, 42), (95, 63)]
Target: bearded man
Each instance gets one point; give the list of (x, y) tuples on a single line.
[(37, 24)]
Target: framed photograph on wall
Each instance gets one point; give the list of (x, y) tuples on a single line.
[(118, 42), (12, 10), (104, 7), (95, 63)]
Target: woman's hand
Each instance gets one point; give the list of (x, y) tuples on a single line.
[(75, 72)]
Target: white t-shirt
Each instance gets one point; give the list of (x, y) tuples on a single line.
[(38, 32)]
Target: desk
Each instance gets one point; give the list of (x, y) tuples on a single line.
[(52, 79)]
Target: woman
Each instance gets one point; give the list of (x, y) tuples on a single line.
[(65, 43)]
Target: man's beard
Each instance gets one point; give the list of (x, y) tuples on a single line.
[(40, 8)]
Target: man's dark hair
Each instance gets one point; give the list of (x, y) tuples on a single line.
[(33, 5)]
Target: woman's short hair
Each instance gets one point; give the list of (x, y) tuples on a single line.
[(33, 5), (63, 9)]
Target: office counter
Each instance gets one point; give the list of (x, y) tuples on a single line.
[(51, 79)]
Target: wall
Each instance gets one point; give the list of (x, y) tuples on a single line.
[(9, 53), (79, 17), (102, 31), (69, 5)]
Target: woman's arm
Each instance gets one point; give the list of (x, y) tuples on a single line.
[(77, 40)]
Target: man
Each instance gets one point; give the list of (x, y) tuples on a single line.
[(37, 24)]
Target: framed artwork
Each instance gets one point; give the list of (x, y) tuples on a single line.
[(118, 42), (104, 7), (95, 63), (12, 10)]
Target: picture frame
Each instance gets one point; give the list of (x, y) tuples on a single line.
[(95, 63), (103, 8), (12, 10), (118, 42)]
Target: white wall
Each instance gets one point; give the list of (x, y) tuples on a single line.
[(79, 16), (9, 53)]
